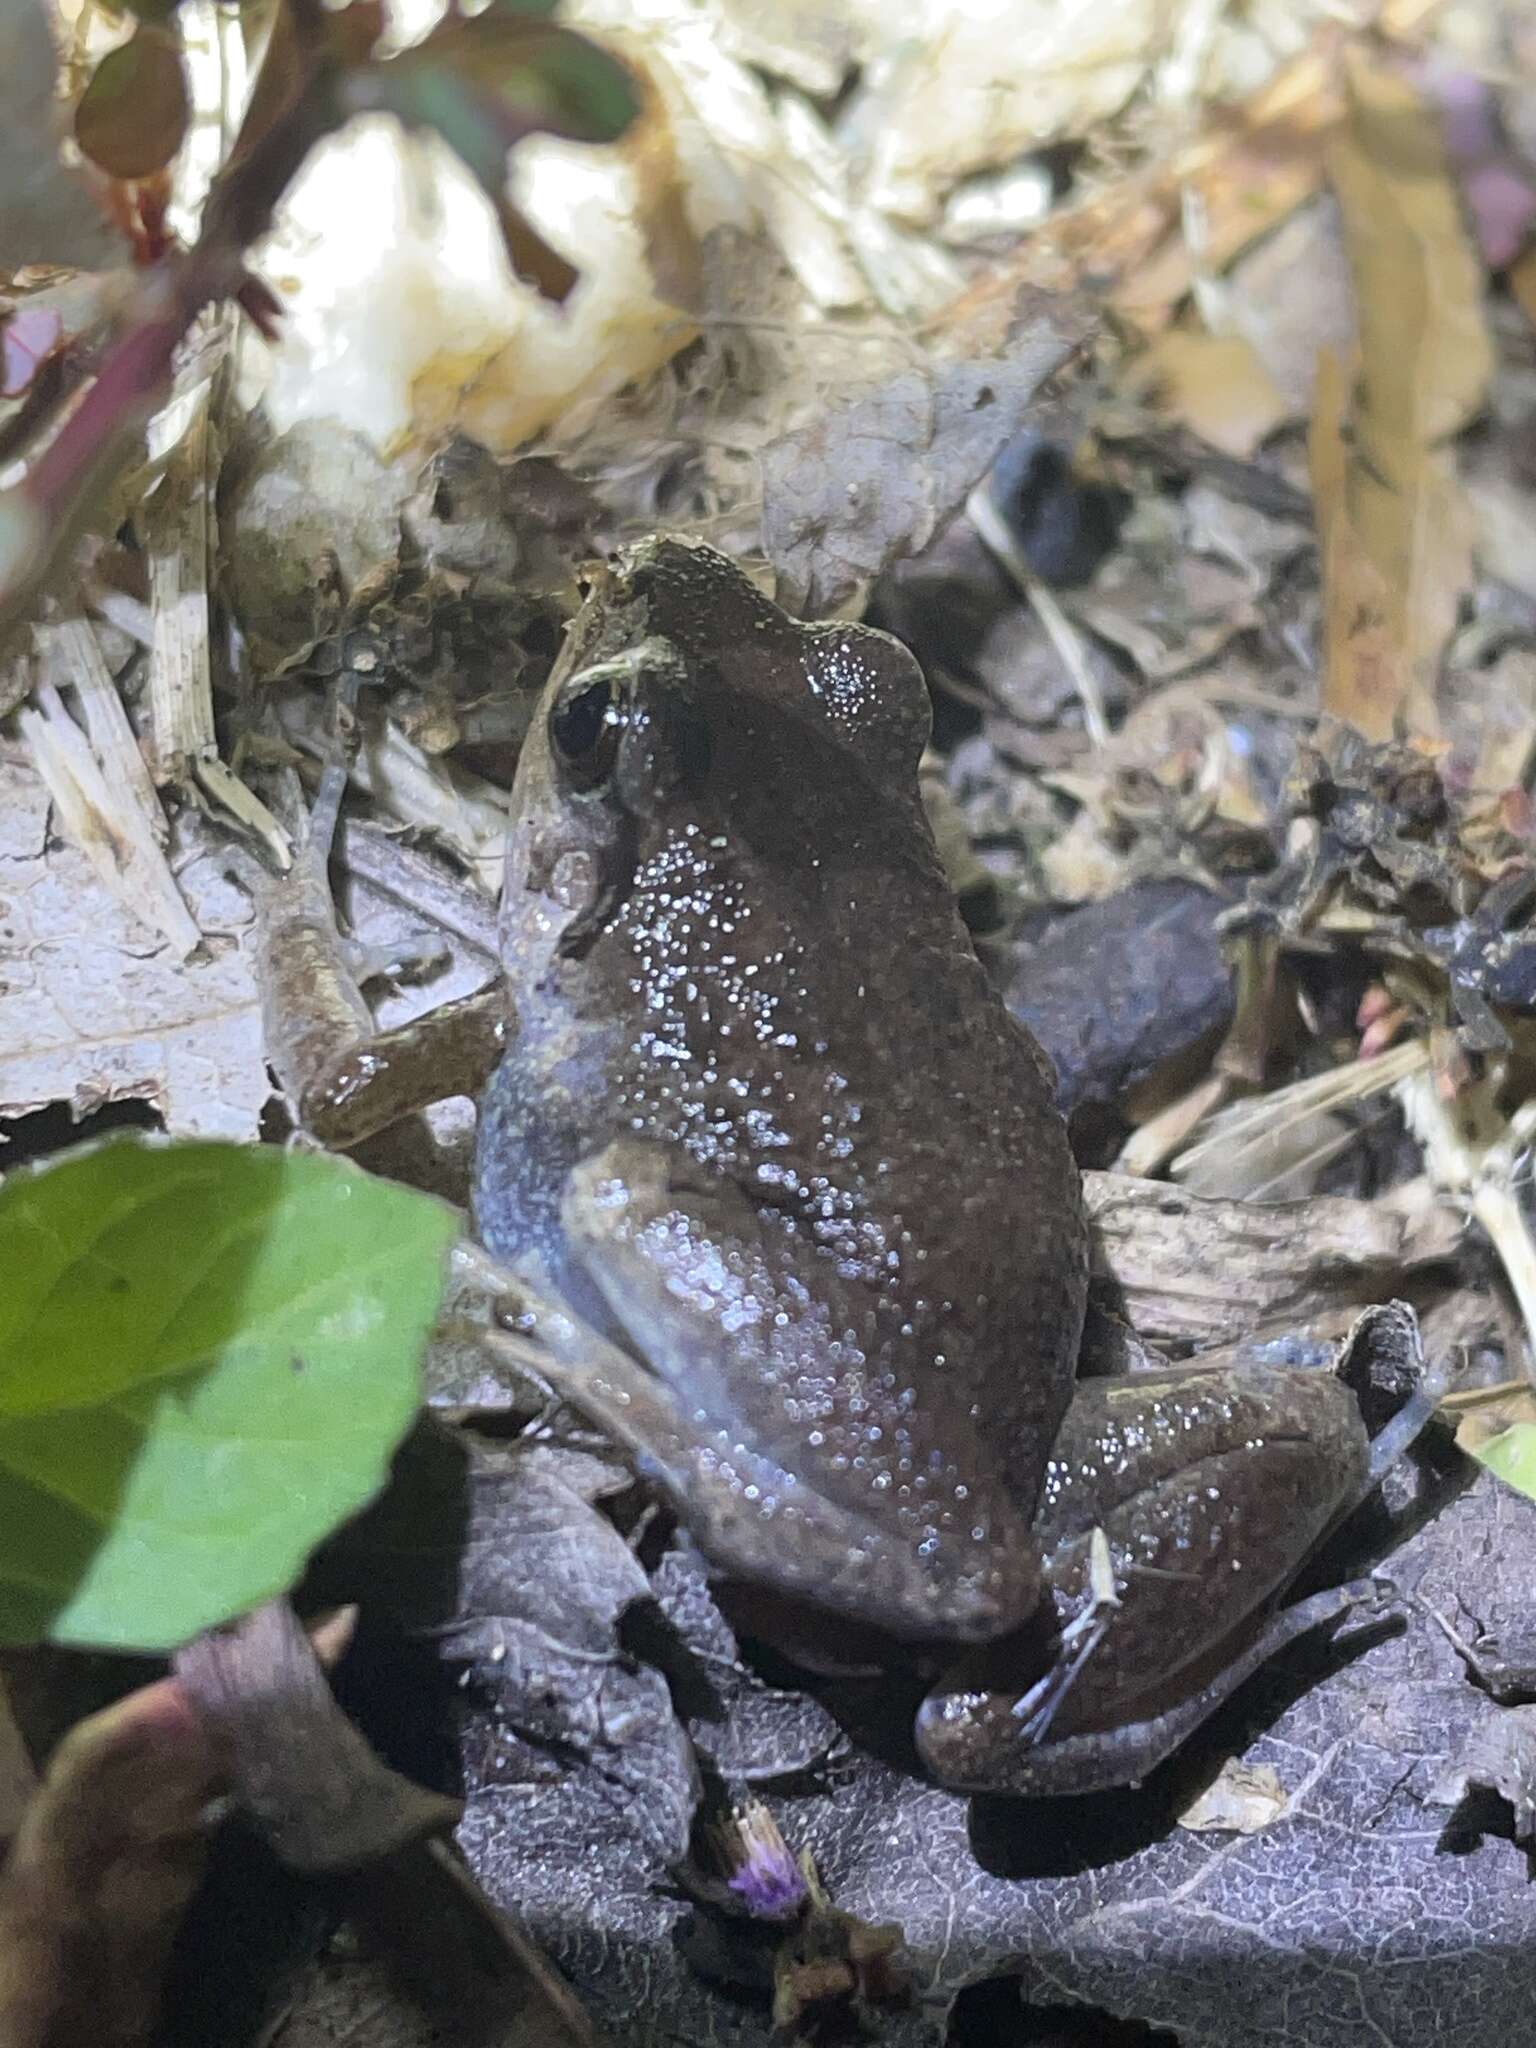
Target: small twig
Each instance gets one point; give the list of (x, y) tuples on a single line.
[(1244, 1128), (1060, 631), (1152, 1145)]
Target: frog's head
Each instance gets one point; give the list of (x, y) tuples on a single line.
[(685, 699), (849, 684)]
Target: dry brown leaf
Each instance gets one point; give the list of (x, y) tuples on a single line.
[(1191, 1269), (1216, 385), (1417, 274), (875, 474), (671, 243), (1361, 678), (1395, 527), (1246, 172), (1245, 177)]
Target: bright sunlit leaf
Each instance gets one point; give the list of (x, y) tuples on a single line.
[(208, 1354)]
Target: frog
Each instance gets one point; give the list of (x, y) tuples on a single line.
[(796, 1182)]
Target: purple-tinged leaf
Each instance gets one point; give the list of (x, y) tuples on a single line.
[(27, 339)]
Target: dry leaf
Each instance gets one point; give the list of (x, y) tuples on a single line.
[(1216, 385), (94, 1009), (1362, 682), (977, 86), (1395, 528), (1191, 1270), (1248, 170), (872, 478), (1242, 1799)]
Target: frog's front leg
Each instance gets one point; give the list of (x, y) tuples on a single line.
[(344, 1078), (1211, 1488)]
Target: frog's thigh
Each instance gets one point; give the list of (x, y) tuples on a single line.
[(701, 1288), (1211, 1488)]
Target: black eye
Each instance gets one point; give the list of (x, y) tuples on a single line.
[(586, 724)]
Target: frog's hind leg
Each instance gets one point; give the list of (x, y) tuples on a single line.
[(1098, 1760), (1211, 1488)]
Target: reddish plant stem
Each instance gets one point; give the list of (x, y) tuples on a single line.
[(137, 364)]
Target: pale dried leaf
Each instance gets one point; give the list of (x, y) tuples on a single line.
[(93, 1010), (1242, 1799), (985, 83), (1395, 528), (1216, 385)]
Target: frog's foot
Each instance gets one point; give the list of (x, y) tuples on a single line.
[(972, 1741), (366, 1086), (1146, 1743), (1404, 1429), (344, 1078)]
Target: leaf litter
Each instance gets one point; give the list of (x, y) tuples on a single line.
[(1268, 312)]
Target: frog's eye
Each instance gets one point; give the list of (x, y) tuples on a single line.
[(586, 723)]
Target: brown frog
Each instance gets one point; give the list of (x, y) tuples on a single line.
[(766, 1127)]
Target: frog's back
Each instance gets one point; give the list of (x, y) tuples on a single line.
[(784, 1003), (847, 1064)]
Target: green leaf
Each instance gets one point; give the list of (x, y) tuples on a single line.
[(133, 115), (208, 1354), (485, 82), (512, 76), (1510, 1455)]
